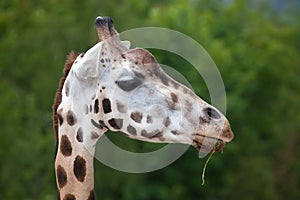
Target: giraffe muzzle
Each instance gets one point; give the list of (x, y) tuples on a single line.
[(105, 28), (208, 142), (103, 21)]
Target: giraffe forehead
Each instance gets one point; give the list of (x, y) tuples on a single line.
[(140, 56)]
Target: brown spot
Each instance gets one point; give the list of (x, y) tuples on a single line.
[(162, 76), (67, 88), (149, 119), (203, 120), (69, 197), (175, 84), (131, 130), (156, 134), (94, 135), (101, 123), (86, 109), (188, 106), (185, 90), (136, 116), (91, 196), (71, 119), (144, 133), (106, 106), (167, 121), (61, 175), (97, 125), (94, 96), (79, 168), (116, 123), (60, 118), (121, 107), (65, 146), (79, 135), (171, 104), (153, 134), (96, 106), (174, 97), (175, 132)]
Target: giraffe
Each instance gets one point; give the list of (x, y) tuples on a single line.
[(113, 87)]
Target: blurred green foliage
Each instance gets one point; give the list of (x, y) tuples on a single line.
[(256, 48)]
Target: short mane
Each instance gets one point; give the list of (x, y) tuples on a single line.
[(68, 65)]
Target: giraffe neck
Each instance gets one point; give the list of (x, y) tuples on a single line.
[(74, 159), (77, 132), (74, 172)]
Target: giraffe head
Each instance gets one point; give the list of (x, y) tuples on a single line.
[(114, 87), (125, 90)]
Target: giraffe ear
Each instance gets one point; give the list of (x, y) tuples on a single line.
[(86, 66), (126, 44)]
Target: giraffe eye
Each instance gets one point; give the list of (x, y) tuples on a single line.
[(129, 84)]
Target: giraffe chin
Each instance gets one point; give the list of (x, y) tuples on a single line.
[(206, 144)]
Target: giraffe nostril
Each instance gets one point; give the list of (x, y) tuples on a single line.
[(211, 113)]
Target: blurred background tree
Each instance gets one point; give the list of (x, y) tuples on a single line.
[(256, 46)]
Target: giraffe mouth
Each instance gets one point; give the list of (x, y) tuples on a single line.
[(207, 144)]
